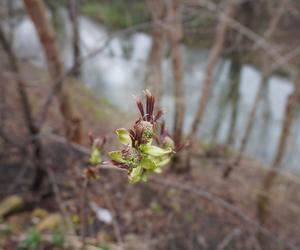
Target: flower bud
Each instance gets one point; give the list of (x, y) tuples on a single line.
[(147, 129), (131, 156)]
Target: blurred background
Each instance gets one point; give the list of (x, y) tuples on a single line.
[(225, 73)]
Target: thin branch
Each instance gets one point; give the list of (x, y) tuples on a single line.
[(226, 241), (59, 200), (83, 216)]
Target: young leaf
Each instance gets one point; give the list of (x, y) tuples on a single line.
[(154, 150), (95, 158), (135, 175), (162, 161), (115, 156), (147, 163), (124, 136)]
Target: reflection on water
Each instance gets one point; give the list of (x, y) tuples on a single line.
[(119, 71)]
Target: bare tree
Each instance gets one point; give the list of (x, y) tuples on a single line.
[(33, 130), (155, 74), (263, 197), (213, 58), (176, 36), (265, 74), (234, 97), (72, 122), (73, 13)]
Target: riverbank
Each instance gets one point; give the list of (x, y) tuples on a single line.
[(200, 209)]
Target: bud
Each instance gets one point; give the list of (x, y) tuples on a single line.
[(154, 150), (147, 131), (148, 164), (95, 158), (131, 156), (124, 136), (135, 175), (168, 143)]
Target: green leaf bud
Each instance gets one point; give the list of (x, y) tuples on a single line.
[(95, 158), (154, 150), (124, 136)]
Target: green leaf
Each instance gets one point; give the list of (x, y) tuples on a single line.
[(162, 161), (135, 175), (124, 136), (115, 156), (95, 158), (154, 150), (147, 163)]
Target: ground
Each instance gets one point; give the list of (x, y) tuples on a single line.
[(199, 210)]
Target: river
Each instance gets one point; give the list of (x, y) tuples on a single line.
[(119, 71)]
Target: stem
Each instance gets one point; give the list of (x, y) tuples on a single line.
[(83, 212)]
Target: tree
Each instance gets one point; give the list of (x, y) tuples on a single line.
[(32, 128), (155, 74), (234, 98), (73, 13), (213, 58), (72, 122), (265, 74), (176, 36), (263, 196)]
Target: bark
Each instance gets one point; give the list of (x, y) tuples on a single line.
[(33, 130), (37, 12), (155, 74), (176, 36), (222, 106), (251, 119), (263, 197), (213, 58), (265, 74), (73, 13), (234, 97)]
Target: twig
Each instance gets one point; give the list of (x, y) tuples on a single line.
[(83, 212), (225, 242), (116, 225), (59, 200)]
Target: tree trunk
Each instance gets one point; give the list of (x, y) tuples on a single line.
[(265, 74), (33, 130), (37, 12), (212, 61), (251, 119), (73, 13), (263, 197), (234, 97), (176, 36), (208, 74), (155, 74)]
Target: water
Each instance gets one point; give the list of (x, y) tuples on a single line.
[(119, 71)]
